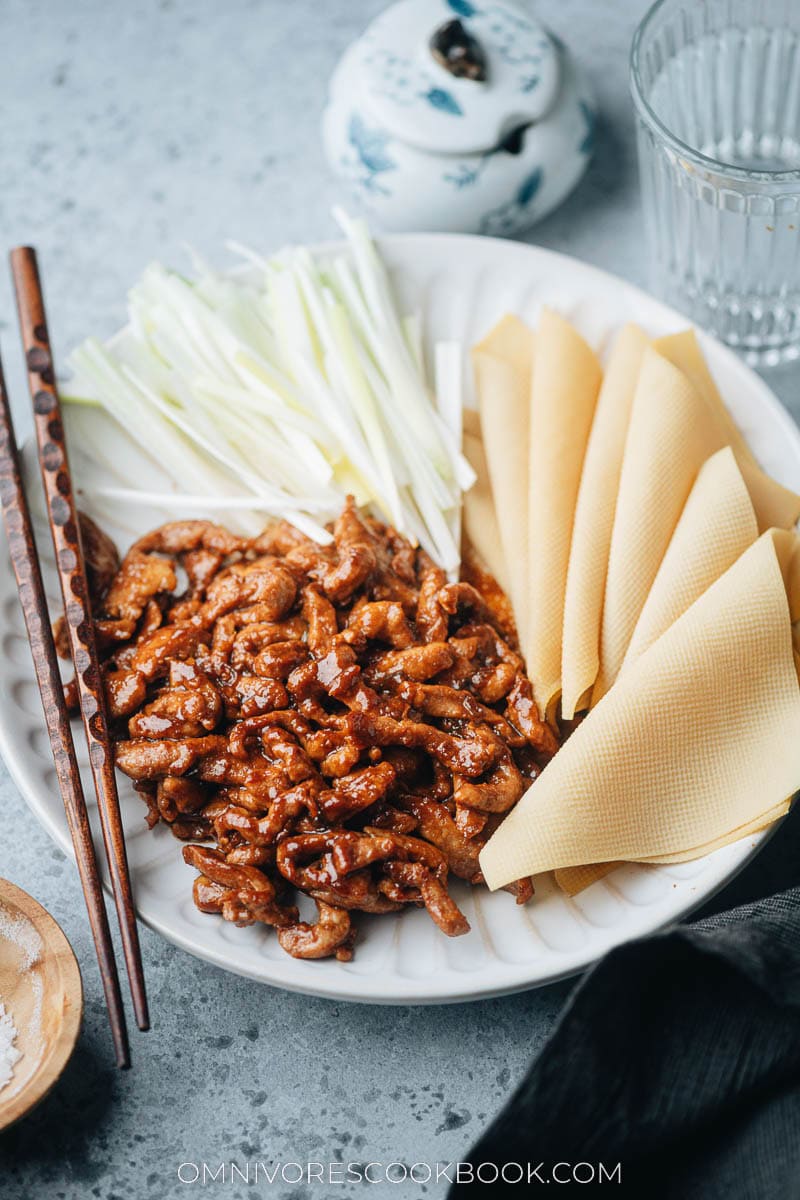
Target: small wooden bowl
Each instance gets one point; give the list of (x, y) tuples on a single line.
[(48, 994)]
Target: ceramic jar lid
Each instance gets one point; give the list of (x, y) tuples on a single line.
[(455, 76)]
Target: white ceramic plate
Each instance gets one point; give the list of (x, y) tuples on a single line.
[(462, 286)]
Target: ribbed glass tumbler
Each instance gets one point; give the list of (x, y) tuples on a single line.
[(716, 85)]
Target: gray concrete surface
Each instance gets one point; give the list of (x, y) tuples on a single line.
[(127, 130)]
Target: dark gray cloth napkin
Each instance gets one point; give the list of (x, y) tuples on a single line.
[(677, 1056)]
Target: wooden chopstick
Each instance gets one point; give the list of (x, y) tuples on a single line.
[(65, 532), (27, 571)]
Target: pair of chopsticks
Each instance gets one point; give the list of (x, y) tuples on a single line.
[(65, 532)]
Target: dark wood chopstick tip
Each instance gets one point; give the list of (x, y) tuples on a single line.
[(19, 254)]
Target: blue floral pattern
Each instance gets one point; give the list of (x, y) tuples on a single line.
[(507, 219), (444, 101), (371, 157), (370, 144), (590, 117), (467, 174), (530, 187), (463, 8)]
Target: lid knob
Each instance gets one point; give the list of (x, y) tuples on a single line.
[(455, 49)]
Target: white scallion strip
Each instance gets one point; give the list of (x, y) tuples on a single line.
[(181, 500), (450, 403), (277, 391)]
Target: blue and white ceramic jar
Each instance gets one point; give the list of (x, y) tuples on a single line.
[(460, 115)]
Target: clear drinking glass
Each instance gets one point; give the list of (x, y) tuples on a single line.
[(716, 84)]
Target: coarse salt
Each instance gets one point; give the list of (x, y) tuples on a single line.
[(17, 931), (9, 1054), (21, 933)]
